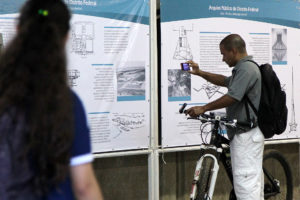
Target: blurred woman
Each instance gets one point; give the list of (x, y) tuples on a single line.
[(45, 150)]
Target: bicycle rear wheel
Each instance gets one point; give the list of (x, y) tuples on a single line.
[(204, 179), (279, 170)]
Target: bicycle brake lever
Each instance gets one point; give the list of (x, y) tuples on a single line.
[(181, 110), (192, 118)]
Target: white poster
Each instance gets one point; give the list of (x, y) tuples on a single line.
[(193, 32), (108, 67)]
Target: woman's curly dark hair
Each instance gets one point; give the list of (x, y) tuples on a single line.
[(33, 79)]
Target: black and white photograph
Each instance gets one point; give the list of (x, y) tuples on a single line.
[(131, 80), (179, 83)]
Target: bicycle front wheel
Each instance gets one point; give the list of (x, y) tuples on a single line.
[(277, 174), (204, 179)]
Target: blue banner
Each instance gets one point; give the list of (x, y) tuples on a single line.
[(10, 6), (284, 12), (127, 10)]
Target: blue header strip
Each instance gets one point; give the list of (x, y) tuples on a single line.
[(98, 113), (183, 98), (259, 33), (126, 10), (10, 6), (131, 98), (102, 64), (282, 12), (203, 32)]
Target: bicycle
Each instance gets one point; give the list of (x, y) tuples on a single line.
[(278, 182)]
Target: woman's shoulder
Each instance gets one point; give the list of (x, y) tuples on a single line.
[(77, 103)]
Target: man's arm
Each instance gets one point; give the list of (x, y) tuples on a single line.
[(216, 79), (84, 183), (222, 102)]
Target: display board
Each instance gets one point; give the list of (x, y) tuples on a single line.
[(108, 67), (192, 30)]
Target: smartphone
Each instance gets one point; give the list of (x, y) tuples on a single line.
[(185, 66)]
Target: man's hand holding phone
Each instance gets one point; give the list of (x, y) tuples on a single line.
[(194, 68), (191, 67), (185, 66)]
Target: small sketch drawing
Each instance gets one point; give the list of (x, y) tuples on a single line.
[(131, 79), (293, 123), (179, 83), (279, 48), (210, 89), (183, 50), (82, 38), (72, 76), (127, 122)]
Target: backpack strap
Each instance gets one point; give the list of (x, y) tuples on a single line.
[(248, 101), (247, 109), (254, 62)]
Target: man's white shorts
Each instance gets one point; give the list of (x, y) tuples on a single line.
[(246, 158)]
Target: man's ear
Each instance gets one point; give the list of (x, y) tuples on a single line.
[(234, 51)]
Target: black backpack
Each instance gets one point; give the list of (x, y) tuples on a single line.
[(272, 111)]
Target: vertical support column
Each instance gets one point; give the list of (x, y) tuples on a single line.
[(153, 157), (153, 171), (299, 161)]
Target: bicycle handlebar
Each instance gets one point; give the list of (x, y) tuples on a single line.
[(181, 110), (222, 120), (213, 118)]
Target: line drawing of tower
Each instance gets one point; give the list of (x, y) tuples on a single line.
[(183, 50), (279, 48), (293, 124)]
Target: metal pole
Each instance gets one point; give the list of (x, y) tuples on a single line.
[(121, 153), (281, 141), (153, 158)]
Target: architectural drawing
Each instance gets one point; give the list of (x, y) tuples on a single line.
[(127, 122), (73, 74), (210, 89), (293, 124), (82, 38), (279, 48), (183, 50)]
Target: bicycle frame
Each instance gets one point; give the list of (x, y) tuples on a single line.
[(214, 150), (218, 140), (218, 150), (215, 170)]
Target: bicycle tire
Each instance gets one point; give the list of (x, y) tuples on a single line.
[(204, 179), (278, 167)]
